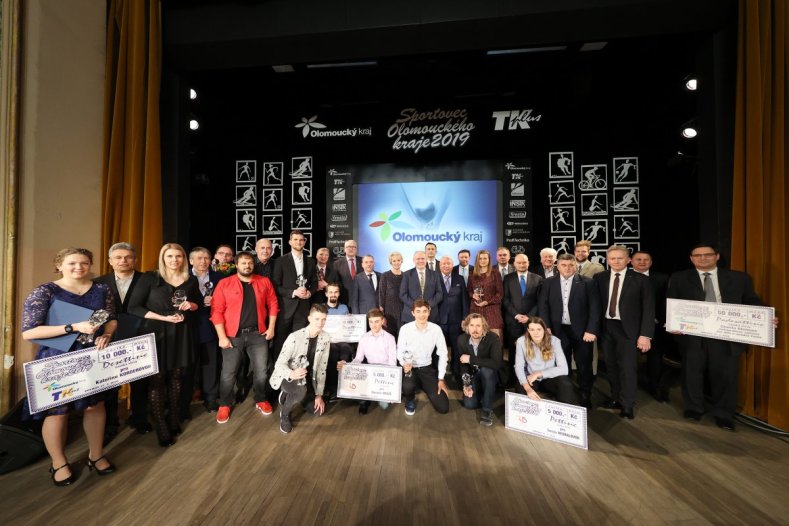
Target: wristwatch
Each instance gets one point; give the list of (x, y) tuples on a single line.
[(69, 329)]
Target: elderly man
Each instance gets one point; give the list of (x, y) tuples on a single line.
[(264, 266), (547, 266), (326, 274), (347, 267), (452, 309)]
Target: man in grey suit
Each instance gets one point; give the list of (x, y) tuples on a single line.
[(585, 267), (420, 283), (570, 305), (364, 290), (347, 267), (629, 324), (707, 282)]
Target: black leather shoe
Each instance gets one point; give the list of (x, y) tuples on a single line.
[(627, 413), (106, 471), (65, 482), (725, 423), (142, 427), (661, 395), (692, 415), (612, 404), (364, 407), (586, 401), (166, 442), (175, 430)]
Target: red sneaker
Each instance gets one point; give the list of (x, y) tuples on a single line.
[(223, 415), (264, 407)]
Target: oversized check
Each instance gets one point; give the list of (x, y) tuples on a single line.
[(732, 322), (346, 327), (381, 383), (73, 375), (555, 421)]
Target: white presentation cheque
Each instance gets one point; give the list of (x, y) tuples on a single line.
[(380, 383), (73, 375), (732, 322), (347, 328), (555, 421)]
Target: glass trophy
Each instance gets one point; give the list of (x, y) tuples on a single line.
[(179, 297), (97, 319), (408, 358)]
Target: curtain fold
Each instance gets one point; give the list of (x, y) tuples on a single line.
[(131, 185), (760, 234)]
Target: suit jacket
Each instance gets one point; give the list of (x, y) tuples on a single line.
[(510, 269), (659, 284), (456, 270), (363, 296), (409, 292), (540, 271), (514, 303), (636, 302), (294, 348), (330, 276), (591, 268), (454, 306), (488, 352), (344, 273), (204, 330), (128, 324), (284, 278), (735, 287), (583, 305)]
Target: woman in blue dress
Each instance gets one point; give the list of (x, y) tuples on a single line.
[(75, 287)]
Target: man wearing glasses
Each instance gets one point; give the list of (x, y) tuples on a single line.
[(707, 282)]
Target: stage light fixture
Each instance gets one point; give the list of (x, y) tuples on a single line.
[(343, 64), (691, 83), (192, 94), (493, 52), (193, 124), (689, 130)]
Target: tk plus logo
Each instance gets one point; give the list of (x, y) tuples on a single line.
[(514, 119)]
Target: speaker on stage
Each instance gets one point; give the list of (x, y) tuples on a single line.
[(20, 441)]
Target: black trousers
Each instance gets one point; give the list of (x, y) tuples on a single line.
[(451, 334), (139, 402), (560, 387), (584, 355), (721, 362), (621, 359), (337, 352), (209, 371), (425, 378)]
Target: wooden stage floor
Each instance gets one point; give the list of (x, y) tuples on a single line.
[(388, 468)]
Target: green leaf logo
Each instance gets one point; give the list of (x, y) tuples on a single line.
[(386, 222)]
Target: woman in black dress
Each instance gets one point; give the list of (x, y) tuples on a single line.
[(166, 298), (75, 287), (389, 294)]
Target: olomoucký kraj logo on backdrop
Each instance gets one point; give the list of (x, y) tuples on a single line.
[(386, 222), (310, 127)]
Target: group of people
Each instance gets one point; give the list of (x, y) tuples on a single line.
[(216, 316)]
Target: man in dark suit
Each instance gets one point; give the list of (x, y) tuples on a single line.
[(707, 282), (295, 280), (364, 291), (463, 269), (656, 371), (420, 283), (547, 266), (503, 258), (570, 305), (326, 274), (629, 324), (453, 309), (521, 292), (121, 281), (347, 266)]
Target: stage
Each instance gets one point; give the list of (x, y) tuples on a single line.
[(388, 468)]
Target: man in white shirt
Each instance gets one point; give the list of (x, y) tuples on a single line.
[(415, 345), (503, 259), (430, 251), (547, 268), (463, 269)]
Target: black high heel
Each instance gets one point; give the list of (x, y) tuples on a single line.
[(101, 472), (65, 482)]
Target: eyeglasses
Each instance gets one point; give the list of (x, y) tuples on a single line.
[(705, 255)]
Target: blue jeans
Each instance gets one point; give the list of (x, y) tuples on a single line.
[(484, 385), (256, 347)]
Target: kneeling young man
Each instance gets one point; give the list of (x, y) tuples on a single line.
[(376, 346), (480, 358), (301, 367), (415, 345)]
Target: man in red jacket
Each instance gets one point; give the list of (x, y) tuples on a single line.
[(244, 312)]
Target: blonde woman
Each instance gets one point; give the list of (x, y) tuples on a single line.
[(540, 364), (486, 291), (166, 298), (75, 287), (389, 294)]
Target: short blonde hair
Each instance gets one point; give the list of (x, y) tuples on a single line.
[(394, 254)]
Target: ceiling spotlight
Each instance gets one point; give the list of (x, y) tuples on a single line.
[(193, 124), (691, 83), (689, 132), (192, 94)]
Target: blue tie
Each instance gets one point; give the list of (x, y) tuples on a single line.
[(523, 285)]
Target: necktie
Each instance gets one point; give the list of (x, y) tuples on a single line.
[(352, 261), (709, 289), (321, 274), (503, 271), (432, 265), (422, 282), (614, 297), (523, 285), (447, 282), (370, 277), (463, 273)]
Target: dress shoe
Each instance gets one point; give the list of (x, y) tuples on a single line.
[(101, 472), (662, 397), (627, 413), (142, 427), (689, 414), (612, 404), (166, 442), (175, 429), (364, 407), (586, 401), (725, 423), (65, 482)]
